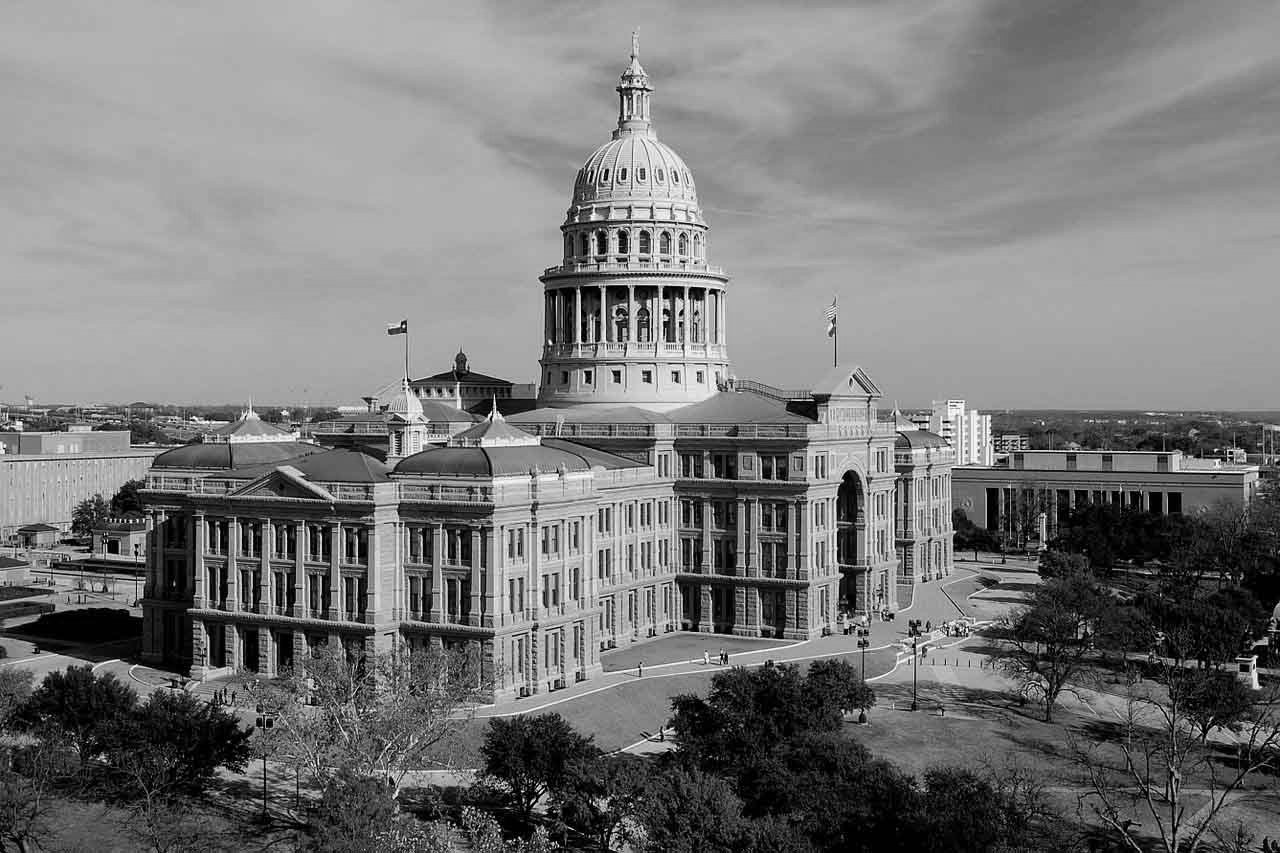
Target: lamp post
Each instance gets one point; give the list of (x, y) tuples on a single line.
[(863, 643), (915, 672), (264, 724)]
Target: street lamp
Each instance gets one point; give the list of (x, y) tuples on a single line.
[(264, 724), (863, 643), (915, 673)]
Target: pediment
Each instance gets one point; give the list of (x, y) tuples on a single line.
[(284, 482), (847, 382)]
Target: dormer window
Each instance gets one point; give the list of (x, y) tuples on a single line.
[(640, 175), (675, 176), (604, 175), (687, 179), (591, 176), (657, 173), (622, 174)]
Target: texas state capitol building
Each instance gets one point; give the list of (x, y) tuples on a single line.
[(648, 492)]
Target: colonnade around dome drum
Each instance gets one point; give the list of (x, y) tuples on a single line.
[(634, 319)]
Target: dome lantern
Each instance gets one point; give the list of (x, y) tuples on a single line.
[(633, 95)]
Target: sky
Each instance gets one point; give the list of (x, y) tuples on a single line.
[(1023, 203)]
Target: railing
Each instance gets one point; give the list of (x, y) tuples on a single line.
[(348, 491), (742, 430), (634, 266), (633, 348), (340, 428), (763, 390), (434, 492)]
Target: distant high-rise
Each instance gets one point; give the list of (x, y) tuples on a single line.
[(966, 430)]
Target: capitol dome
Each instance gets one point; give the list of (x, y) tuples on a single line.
[(634, 166)]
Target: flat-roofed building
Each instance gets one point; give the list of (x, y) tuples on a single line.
[(1152, 481)]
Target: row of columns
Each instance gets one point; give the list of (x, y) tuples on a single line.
[(564, 315), (748, 559)]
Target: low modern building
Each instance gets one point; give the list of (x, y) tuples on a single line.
[(1010, 442), (120, 537), (78, 438), (1148, 480)]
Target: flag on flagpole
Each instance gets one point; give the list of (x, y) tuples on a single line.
[(831, 319), (401, 328)]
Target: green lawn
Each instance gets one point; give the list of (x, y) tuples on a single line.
[(676, 648)]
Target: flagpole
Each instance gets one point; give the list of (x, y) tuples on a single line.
[(835, 344), (406, 354)]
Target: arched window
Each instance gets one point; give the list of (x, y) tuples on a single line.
[(657, 173), (664, 243), (624, 243), (602, 242), (675, 176), (643, 333), (584, 245), (697, 246), (640, 174), (604, 176), (568, 246), (622, 174), (645, 243), (591, 176), (687, 179), (684, 245)]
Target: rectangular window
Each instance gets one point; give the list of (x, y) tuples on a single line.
[(773, 467), (617, 377), (588, 377), (701, 377), (646, 376), (724, 466), (675, 377), (691, 466)]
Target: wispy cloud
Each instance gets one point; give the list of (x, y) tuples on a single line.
[(996, 189)]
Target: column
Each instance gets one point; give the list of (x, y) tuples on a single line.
[(233, 568), (706, 624), (300, 545), (335, 573), (603, 315), (800, 536), (198, 596), (756, 514), (577, 316), (688, 315), (660, 329), (437, 573), (631, 313), (264, 580), (492, 588), (724, 317), (475, 578), (708, 552)]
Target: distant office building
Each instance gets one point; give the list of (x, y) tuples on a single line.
[(43, 475), (1153, 481), (1011, 442), (968, 431)]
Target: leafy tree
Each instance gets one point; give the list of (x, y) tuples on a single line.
[(380, 715), (83, 709), (969, 536), (1050, 640), (88, 513), (533, 756), (1055, 564), (15, 690), (601, 798), (1215, 700), (689, 811), (836, 684), (126, 501), (173, 744), (353, 810), (962, 810)]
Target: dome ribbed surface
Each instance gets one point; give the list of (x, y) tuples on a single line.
[(634, 166)]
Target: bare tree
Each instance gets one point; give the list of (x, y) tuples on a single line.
[(1161, 771), (379, 715), (1050, 641)]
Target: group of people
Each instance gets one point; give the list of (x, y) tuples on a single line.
[(723, 659)]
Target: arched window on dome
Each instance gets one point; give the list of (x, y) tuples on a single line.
[(622, 174), (568, 246), (657, 174), (602, 243), (664, 243), (643, 333), (683, 246), (604, 176), (584, 245), (675, 176), (591, 176), (640, 174), (697, 247), (646, 243), (624, 243), (687, 179)]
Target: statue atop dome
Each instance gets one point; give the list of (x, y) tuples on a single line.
[(633, 94)]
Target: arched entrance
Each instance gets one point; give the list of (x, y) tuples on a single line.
[(851, 539)]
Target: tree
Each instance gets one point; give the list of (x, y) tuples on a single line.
[(969, 536), (126, 500), (173, 744), (353, 809), (1030, 504), (82, 708), (26, 789), (377, 714), (689, 811), (88, 513), (1050, 640), (836, 684), (1159, 764), (532, 757), (1056, 564), (15, 691), (1216, 700), (602, 798)]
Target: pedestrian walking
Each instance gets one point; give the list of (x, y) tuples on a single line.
[(640, 670), (706, 658), (724, 658)]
